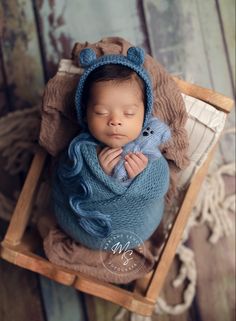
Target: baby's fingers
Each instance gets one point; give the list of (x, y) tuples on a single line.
[(108, 154), (130, 171), (114, 162), (137, 159), (142, 157)]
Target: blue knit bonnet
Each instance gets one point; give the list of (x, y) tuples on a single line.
[(134, 60)]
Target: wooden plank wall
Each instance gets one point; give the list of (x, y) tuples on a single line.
[(20, 54), (194, 39), (65, 23), (20, 298)]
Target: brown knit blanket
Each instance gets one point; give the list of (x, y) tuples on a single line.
[(59, 126)]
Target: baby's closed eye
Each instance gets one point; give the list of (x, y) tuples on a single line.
[(101, 113), (129, 114)]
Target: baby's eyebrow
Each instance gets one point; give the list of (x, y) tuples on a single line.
[(107, 106), (99, 105), (131, 105)]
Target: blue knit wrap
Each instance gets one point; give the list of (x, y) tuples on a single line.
[(89, 204)]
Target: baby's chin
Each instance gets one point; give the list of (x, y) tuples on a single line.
[(115, 145), (117, 142)]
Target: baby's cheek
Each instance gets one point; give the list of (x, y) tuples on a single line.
[(135, 130), (95, 128)]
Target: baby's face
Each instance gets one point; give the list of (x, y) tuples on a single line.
[(115, 112)]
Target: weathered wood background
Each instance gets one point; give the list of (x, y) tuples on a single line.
[(193, 39)]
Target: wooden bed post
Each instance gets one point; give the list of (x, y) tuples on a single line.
[(169, 250), (25, 202), (152, 283), (19, 251)]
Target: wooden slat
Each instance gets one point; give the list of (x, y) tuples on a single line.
[(35, 263), (62, 25), (10, 184), (187, 40), (216, 55), (19, 296), (101, 310), (226, 12), (175, 38), (218, 276), (21, 54), (22, 256), (227, 18), (90, 306), (216, 269), (177, 231), (142, 283), (174, 296), (131, 301), (24, 205), (214, 47), (211, 97), (61, 302), (3, 98)]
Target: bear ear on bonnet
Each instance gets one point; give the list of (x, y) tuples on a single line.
[(134, 54), (87, 57)]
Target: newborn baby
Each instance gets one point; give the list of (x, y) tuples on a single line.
[(114, 98), (113, 176)]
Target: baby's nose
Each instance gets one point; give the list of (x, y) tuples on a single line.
[(115, 122)]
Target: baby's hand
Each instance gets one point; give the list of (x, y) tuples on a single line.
[(108, 158), (135, 163)]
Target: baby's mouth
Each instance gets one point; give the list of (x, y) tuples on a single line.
[(116, 135)]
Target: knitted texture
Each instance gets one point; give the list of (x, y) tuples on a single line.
[(59, 125), (154, 134), (90, 205), (134, 60), (104, 205)]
